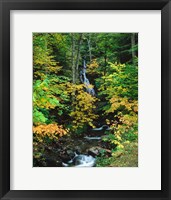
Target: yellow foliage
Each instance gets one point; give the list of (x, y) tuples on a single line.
[(126, 119), (53, 131), (117, 102), (39, 74), (92, 67), (83, 106)]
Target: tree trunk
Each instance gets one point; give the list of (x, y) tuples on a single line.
[(132, 47), (73, 58), (78, 57), (89, 47)]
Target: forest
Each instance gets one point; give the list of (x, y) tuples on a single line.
[(85, 100)]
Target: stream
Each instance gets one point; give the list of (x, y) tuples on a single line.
[(77, 151), (85, 81)]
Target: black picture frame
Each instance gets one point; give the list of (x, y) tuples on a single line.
[(5, 7)]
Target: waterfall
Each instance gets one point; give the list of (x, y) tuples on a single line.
[(85, 80), (81, 161)]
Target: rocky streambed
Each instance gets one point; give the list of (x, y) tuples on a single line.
[(71, 151)]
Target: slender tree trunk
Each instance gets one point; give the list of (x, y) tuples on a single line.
[(89, 47), (73, 58), (132, 47), (78, 57)]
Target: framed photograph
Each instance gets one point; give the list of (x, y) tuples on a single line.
[(84, 99)]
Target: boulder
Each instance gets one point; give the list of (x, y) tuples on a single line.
[(96, 151), (78, 150), (70, 153), (65, 158)]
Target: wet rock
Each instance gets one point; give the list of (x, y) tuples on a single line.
[(44, 164), (70, 153), (58, 163), (96, 151), (50, 162), (78, 149), (65, 158)]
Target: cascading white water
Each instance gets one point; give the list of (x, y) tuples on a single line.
[(85, 80), (93, 138), (81, 161)]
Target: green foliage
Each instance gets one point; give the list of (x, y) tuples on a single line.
[(120, 80), (103, 162), (43, 60), (126, 157), (131, 135), (38, 117), (119, 89), (60, 100), (46, 96)]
